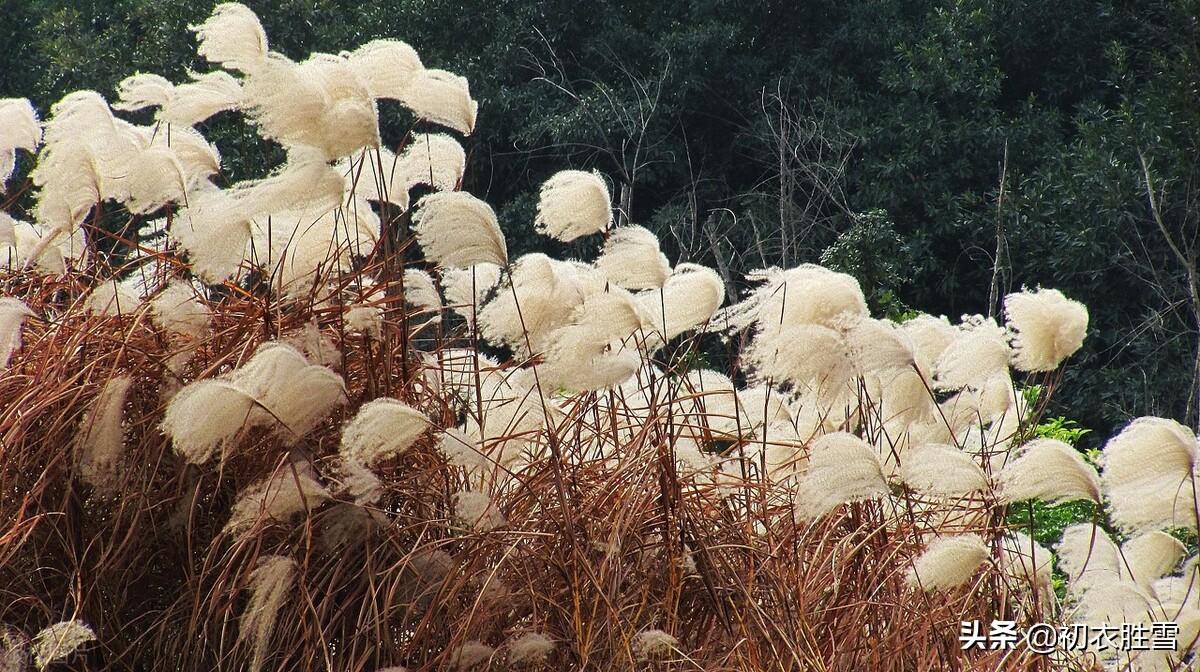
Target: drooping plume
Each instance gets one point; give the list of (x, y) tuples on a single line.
[(688, 300), (1049, 470), (947, 562), (387, 67), (19, 129), (1047, 328), (540, 296), (573, 203), (58, 641), (443, 98), (289, 491), (842, 468), (456, 229), (1147, 475), (102, 434), (631, 259), (270, 585), (381, 430), (12, 315), (942, 470), (477, 511), (204, 416), (979, 351), (232, 37)]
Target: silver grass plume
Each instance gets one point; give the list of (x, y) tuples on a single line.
[(12, 315), (54, 643), (387, 67), (588, 352), (270, 585), (177, 309), (1027, 561), (204, 416), (420, 291), (1049, 470), (290, 490), (382, 429), (470, 655), (1148, 475), (443, 98), (232, 37), (654, 644), (942, 470), (947, 562), (531, 648), (842, 468), (930, 337), (19, 129), (456, 229), (1047, 327), (631, 259), (806, 294), (979, 351), (540, 296), (184, 104), (1150, 556), (688, 300), (466, 288), (102, 435), (476, 511), (573, 203)]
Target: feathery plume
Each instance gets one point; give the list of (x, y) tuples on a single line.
[(1151, 555), (387, 67), (177, 309), (1089, 557), (420, 291), (290, 490), (232, 37), (978, 352), (143, 90), (1147, 475), (1023, 559), (12, 315), (654, 644), (1047, 327), (270, 584), (471, 654), (456, 229), (942, 470), (56, 642), (19, 129), (540, 296), (433, 159), (477, 511), (631, 259), (930, 337), (459, 449), (111, 298), (207, 94), (806, 294), (1050, 470), (14, 650), (359, 482), (842, 468), (573, 203), (947, 562), (443, 98), (364, 319), (102, 436), (586, 353), (532, 648), (205, 415), (381, 430), (466, 288), (687, 300), (157, 178)]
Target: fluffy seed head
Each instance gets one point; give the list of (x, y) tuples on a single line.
[(1147, 472), (270, 584), (456, 229), (289, 491), (102, 435), (573, 203), (58, 641), (978, 352), (947, 562), (842, 468), (470, 655), (12, 315), (233, 37), (205, 415), (631, 259), (689, 298), (1047, 328), (942, 470), (1151, 555), (531, 648), (1049, 470), (477, 511), (381, 430), (654, 644), (178, 310), (442, 98), (386, 66)]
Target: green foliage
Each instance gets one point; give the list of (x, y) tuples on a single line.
[(871, 251)]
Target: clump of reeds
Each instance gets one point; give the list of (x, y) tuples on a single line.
[(324, 470)]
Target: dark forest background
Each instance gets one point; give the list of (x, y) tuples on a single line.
[(926, 147)]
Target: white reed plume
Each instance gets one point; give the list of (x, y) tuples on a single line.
[(182, 105), (540, 296), (214, 231), (573, 203), (387, 67), (978, 352), (930, 337), (653, 644), (477, 511), (197, 157), (358, 481), (319, 103), (304, 248), (1150, 556), (270, 585), (1050, 470), (54, 643), (443, 98), (807, 355), (470, 655), (204, 416), (157, 178), (1116, 602), (433, 159), (1088, 557), (364, 319), (806, 294), (687, 301), (102, 434), (1047, 328), (290, 490), (942, 470), (1025, 560), (12, 315), (382, 429), (632, 259), (947, 562), (111, 298), (292, 395), (19, 129), (456, 229), (460, 450), (587, 353), (466, 288), (1148, 475), (420, 291), (232, 37), (33, 247), (531, 648), (842, 468), (178, 309)]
